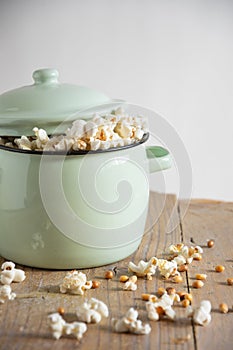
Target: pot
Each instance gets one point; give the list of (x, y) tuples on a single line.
[(77, 210)]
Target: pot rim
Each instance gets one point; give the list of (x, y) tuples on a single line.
[(74, 153)]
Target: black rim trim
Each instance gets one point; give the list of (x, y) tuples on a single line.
[(73, 153)]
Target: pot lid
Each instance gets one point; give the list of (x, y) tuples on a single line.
[(48, 104)]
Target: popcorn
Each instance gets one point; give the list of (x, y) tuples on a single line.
[(9, 144), (92, 311), (6, 294), (77, 129), (10, 274), (160, 307), (79, 145), (119, 111), (124, 129), (100, 132), (105, 145), (131, 284), (167, 268), (130, 324), (95, 145), (23, 143), (75, 283), (180, 260), (41, 137), (144, 268), (201, 314), (138, 133), (184, 254), (175, 248), (90, 129), (60, 327)]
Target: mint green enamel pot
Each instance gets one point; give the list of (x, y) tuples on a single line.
[(65, 211)]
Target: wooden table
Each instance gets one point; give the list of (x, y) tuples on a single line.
[(23, 321)]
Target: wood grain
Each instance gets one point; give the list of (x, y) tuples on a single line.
[(204, 221), (23, 322)]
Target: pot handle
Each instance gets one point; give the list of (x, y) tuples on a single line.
[(158, 158)]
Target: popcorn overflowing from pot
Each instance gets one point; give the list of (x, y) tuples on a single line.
[(116, 129)]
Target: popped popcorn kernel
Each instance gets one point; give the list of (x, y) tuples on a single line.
[(167, 268), (144, 268), (130, 324), (6, 293), (131, 284), (161, 307), (100, 132), (60, 327), (75, 282), (92, 311), (10, 274), (201, 314)]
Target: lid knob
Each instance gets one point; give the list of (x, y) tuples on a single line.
[(45, 76)]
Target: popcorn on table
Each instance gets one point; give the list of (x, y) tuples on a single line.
[(144, 268), (167, 268), (75, 282), (131, 283), (60, 327), (184, 254), (6, 293), (101, 132), (201, 314), (10, 274), (162, 307), (92, 311), (130, 324)]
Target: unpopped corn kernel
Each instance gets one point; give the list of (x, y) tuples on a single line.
[(123, 278), (177, 279), (185, 303), (61, 310), (95, 284), (183, 268), (223, 307), (161, 291), (201, 276), (230, 281), (210, 243), (188, 296), (198, 284), (109, 275), (145, 296), (219, 268)]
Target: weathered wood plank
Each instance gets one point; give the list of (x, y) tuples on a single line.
[(24, 320), (204, 221)]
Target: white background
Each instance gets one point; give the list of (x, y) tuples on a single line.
[(174, 57)]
